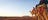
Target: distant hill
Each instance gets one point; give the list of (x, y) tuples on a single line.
[(17, 18)]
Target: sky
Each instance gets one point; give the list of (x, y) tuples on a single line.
[(17, 7)]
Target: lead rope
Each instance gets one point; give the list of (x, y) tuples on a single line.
[(45, 16)]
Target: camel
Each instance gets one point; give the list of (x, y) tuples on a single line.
[(40, 12)]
